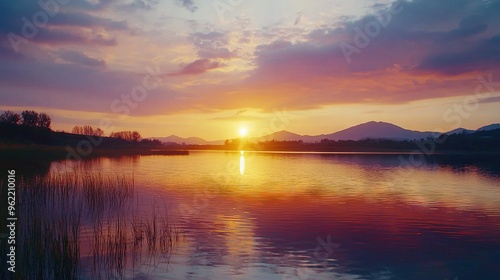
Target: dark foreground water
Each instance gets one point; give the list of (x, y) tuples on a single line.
[(317, 216)]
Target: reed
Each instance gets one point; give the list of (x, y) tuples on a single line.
[(49, 228), (55, 210)]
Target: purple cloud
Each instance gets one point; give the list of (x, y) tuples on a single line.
[(197, 67), (82, 59), (85, 20)]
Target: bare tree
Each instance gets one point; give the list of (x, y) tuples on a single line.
[(10, 117), (132, 136), (136, 137), (77, 130), (98, 132), (30, 118), (88, 130), (44, 120)]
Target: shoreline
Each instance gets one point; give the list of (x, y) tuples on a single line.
[(8, 150)]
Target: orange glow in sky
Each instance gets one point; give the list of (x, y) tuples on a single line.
[(184, 68)]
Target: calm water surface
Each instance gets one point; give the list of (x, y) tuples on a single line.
[(320, 216)]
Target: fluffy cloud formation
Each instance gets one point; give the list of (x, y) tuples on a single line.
[(89, 51), (33, 29), (426, 50)]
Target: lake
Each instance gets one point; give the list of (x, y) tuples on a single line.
[(265, 215)]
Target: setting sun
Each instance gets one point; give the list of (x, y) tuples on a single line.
[(329, 139), (243, 131)]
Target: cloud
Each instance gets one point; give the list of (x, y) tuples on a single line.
[(59, 37), (143, 4), (85, 20), (100, 39), (74, 23), (13, 13), (468, 26), (283, 61), (72, 78), (431, 49), (98, 5), (240, 112), (82, 59), (298, 19), (78, 86), (484, 55), (209, 40), (222, 53), (212, 45), (188, 4), (8, 54), (242, 115), (438, 53), (197, 67), (493, 99), (238, 118)]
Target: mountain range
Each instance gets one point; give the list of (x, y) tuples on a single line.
[(372, 130)]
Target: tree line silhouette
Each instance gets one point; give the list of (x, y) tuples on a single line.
[(28, 117), (87, 130), (131, 136), (32, 118), (33, 127), (479, 141)]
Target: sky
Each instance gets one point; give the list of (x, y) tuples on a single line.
[(209, 68)]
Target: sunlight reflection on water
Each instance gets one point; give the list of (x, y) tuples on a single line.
[(259, 215)]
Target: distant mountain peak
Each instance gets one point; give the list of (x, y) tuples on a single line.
[(377, 124), (282, 135), (489, 127), (459, 130), (284, 132), (377, 130)]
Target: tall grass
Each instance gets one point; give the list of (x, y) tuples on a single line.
[(109, 249), (49, 224), (105, 193), (56, 210)]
